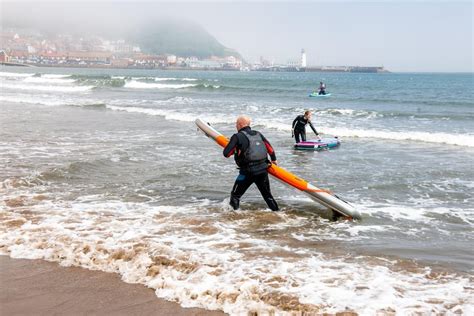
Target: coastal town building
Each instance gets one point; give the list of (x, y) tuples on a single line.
[(120, 62), (3, 57), (171, 59), (141, 60)]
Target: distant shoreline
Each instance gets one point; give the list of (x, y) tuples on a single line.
[(109, 67), (194, 69), (271, 69), (15, 64)]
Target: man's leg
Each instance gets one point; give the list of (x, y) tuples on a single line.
[(297, 136), (241, 185), (263, 185), (303, 136)]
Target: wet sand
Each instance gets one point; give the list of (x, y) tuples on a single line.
[(37, 287)]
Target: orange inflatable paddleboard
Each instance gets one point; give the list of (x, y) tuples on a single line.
[(324, 197)]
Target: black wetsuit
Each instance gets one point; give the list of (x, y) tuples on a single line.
[(322, 89), (299, 128), (250, 172)]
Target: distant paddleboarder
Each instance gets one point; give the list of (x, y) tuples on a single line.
[(322, 88), (298, 127), (251, 150)]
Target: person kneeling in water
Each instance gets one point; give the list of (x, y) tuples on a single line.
[(250, 149), (322, 88)]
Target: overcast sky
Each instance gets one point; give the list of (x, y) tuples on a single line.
[(400, 35)]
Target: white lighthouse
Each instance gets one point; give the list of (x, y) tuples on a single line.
[(303, 58)]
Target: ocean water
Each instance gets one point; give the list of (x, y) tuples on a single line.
[(105, 169)]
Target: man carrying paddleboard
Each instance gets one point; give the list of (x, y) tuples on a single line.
[(250, 149), (298, 128)]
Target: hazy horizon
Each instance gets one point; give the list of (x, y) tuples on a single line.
[(406, 37)]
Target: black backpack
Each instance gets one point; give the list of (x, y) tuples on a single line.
[(255, 158)]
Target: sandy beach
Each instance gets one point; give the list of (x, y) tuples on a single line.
[(36, 287)]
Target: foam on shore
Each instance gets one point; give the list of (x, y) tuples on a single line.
[(213, 265)]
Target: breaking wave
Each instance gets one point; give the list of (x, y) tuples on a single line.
[(134, 84), (439, 138)]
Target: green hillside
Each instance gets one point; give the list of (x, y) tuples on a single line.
[(182, 38)]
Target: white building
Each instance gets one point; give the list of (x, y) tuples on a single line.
[(293, 63), (233, 62), (171, 59), (303, 58), (31, 49)]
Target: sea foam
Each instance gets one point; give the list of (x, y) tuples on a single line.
[(214, 268), (133, 84), (46, 88)]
